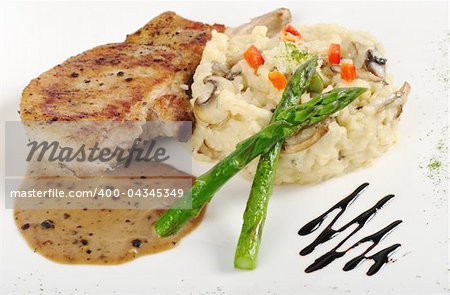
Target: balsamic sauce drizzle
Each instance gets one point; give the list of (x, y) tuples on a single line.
[(379, 258)]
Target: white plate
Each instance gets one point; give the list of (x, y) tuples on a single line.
[(38, 35)]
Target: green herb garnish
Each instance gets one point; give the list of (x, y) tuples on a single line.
[(293, 53)]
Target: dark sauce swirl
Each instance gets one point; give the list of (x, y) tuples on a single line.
[(380, 258)]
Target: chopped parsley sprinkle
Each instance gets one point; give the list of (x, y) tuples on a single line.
[(293, 53), (434, 164)]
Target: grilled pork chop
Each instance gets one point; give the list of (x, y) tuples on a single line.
[(139, 79)]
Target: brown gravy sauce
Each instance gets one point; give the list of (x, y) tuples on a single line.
[(98, 236)]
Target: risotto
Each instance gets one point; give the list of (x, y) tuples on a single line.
[(240, 80)]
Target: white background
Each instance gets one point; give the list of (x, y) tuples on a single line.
[(36, 36)]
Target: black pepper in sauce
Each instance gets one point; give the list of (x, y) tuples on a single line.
[(110, 240), (136, 243), (47, 224)]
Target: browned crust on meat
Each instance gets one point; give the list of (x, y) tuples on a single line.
[(178, 33), (109, 82), (173, 105), (136, 80)]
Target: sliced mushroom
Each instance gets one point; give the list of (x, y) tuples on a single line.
[(305, 138), (327, 72), (219, 69), (375, 64), (353, 50), (399, 111), (214, 85), (206, 150), (275, 21), (234, 72), (357, 52), (335, 69), (399, 95), (206, 109)]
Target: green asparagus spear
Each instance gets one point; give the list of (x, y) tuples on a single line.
[(316, 84), (256, 209), (291, 120), (255, 212)]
